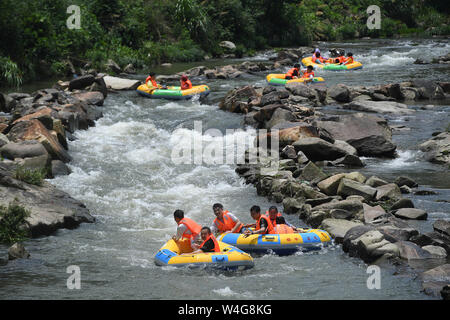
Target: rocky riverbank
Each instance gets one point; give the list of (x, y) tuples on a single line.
[(368, 216), (34, 131)]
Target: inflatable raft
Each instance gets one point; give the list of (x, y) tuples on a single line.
[(172, 92), (332, 66), (278, 79), (281, 244), (229, 257)]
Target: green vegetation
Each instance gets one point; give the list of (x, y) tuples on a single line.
[(35, 177), (12, 220), (36, 43)]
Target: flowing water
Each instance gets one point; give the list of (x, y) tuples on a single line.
[(123, 172)]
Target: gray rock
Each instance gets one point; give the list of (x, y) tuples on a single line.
[(299, 89), (311, 172), (434, 280), (330, 185), (405, 189), (437, 149), (341, 214), (372, 213), (116, 83), (405, 181), (389, 107), (348, 148), (291, 206), (395, 234), (81, 82), (23, 149), (435, 251), (411, 213), (411, 251), (349, 160), (375, 182), (388, 191), (280, 115), (317, 149), (17, 251), (59, 168), (339, 93), (442, 226), (349, 187), (402, 203), (337, 228)]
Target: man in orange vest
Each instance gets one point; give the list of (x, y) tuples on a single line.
[(187, 228), (281, 226), (273, 215), (349, 58), (308, 73), (293, 73), (210, 243), (225, 221), (262, 225), (185, 83)]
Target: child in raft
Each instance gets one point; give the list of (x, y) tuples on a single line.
[(185, 83)]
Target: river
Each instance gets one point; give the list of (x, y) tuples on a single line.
[(122, 171)]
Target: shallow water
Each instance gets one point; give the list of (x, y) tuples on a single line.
[(122, 171)]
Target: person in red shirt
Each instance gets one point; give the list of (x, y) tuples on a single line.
[(185, 83)]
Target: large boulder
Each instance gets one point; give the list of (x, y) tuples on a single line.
[(116, 83), (93, 97), (311, 172), (372, 213), (442, 226), (287, 136), (337, 228), (317, 149), (228, 45), (411, 251), (340, 93), (348, 187), (23, 149), (411, 213), (428, 89), (351, 205), (388, 191), (17, 251), (434, 280), (81, 82), (330, 185), (437, 149), (300, 89), (236, 100), (35, 130), (369, 134), (390, 107)]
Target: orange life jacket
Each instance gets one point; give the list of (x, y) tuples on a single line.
[(227, 225), (186, 84), (269, 224), (192, 226), (274, 221), (216, 244), (292, 73), (307, 74), (341, 59), (348, 60), (283, 228), (149, 78), (314, 58)]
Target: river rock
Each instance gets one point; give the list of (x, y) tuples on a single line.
[(34, 130), (372, 245), (340, 93), (113, 66), (428, 89), (372, 213), (291, 205), (369, 134), (411, 213), (348, 187), (341, 214), (435, 279), (92, 97), (436, 252), (236, 100), (411, 251), (337, 228), (300, 89), (228, 45), (330, 185), (349, 149), (375, 182), (390, 107), (287, 136), (23, 149), (17, 251), (405, 181), (317, 149), (437, 149), (311, 172), (81, 82), (402, 203), (116, 83), (442, 226), (280, 115), (50, 208), (59, 168), (388, 191)]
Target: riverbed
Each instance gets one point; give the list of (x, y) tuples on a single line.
[(123, 172)]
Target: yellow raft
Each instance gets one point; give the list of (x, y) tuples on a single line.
[(332, 66), (279, 79), (229, 257), (281, 244), (174, 93)]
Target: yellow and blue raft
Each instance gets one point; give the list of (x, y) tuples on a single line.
[(229, 257), (173, 93), (278, 79), (281, 244), (332, 66)]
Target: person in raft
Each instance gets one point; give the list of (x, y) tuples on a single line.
[(225, 221), (308, 73), (349, 58), (209, 243), (293, 73), (273, 215), (187, 228), (262, 225), (317, 57), (282, 227), (185, 83)]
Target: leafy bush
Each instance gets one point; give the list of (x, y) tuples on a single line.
[(12, 220), (10, 73), (35, 177)]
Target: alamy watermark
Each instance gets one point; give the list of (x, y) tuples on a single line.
[(374, 280), (74, 20), (374, 19), (74, 280)]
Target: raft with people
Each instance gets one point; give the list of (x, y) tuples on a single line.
[(179, 254), (278, 79), (280, 244), (332, 66), (172, 92)]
